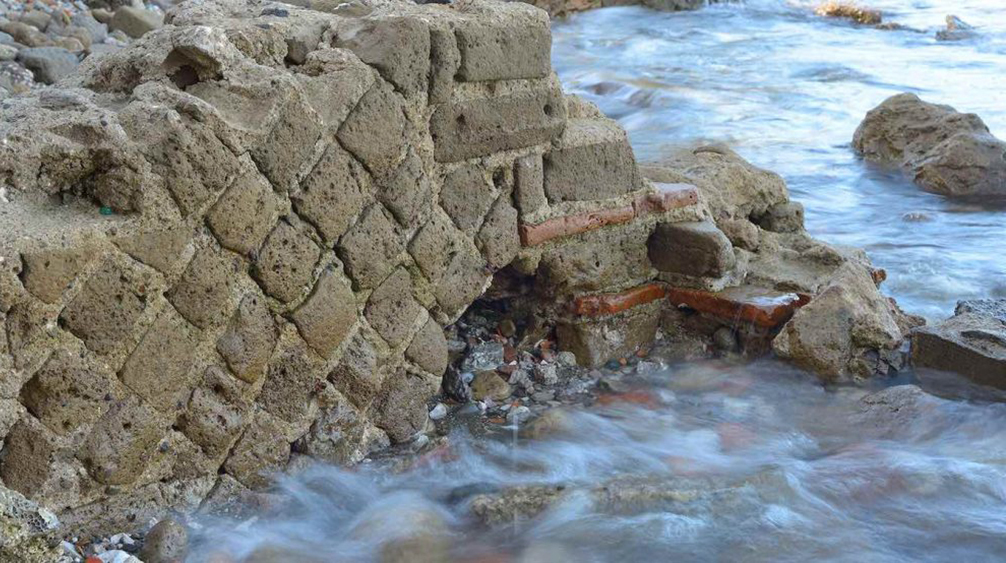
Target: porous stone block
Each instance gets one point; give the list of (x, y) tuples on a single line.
[(598, 340), (104, 313), (160, 248), (466, 196), (216, 413), (444, 61), (262, 450), (371, 247), (289, 143), (204, 294), (695, 248), (408, 194), (599, 260), (46, 273), (592, 160), (158, 369), (342, 436), (972, 343), (285, 265), (122, 442), (517, 44), (294, 378), (243, 215), (378, 148), (26, 460), (498, 236), (67, 392), (529, 188), (328, 314), (356, 375), (434, 244), (400, 408), (428, 349), (392, 309), (193, 162), (463, 281), (476, 127), (249, 339), (397, 46), (332, 195)]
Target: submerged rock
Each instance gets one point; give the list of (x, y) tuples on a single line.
[(944, 151), (956, 30), (850, 11), (971, 343)]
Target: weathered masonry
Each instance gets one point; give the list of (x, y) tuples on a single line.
[(243, 235)]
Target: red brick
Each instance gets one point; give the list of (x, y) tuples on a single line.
[(669, 196), (611, 303), (761, 307)]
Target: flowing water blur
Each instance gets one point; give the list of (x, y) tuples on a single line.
[(770, 465)]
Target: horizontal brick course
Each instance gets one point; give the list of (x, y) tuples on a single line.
[(670, 196)]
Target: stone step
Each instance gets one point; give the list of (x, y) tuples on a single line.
[(591, 160), (743, 304)]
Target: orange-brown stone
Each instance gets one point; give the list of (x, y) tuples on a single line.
[(611, 303), (761, 307), (668, 197)]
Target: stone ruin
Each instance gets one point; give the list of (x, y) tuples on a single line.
[(243, 236)]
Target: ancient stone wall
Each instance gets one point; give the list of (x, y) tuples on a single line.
[(241, 238)]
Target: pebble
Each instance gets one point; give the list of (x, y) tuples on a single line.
[(438, 412), (543, 396), (647, 367), (7, 52), (136, 22), (566, 358), (49, 64), (546, 373), (518, 415), (166, 542), (484, 356), (724, 339)]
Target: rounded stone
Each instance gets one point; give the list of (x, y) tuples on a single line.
[(166, 542)]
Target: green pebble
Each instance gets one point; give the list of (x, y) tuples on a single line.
[(105, 210)]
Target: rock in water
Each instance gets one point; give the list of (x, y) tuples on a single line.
[(849, 330), (957, 30), (971, 343), (945, 151)]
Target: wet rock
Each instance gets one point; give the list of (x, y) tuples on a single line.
[(166, 542), (484, 356), (694, 249), (566, 358), (48, 64), (489, 385), (7, 52), (438, 412), (896, 408), (546, 373), (971, 343), (725, 339), (850, 11), (15, 78), (944, 151), (552, 422), (956, 30), (518, 415), (135, 22), (836, 334), (516, 503), (455, 386)]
